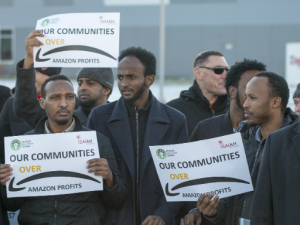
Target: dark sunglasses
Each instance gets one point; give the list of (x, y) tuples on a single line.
[(217, 70)]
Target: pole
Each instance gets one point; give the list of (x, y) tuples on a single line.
[(162, 51)]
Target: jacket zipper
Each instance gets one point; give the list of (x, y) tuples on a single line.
[(137, 163), (55, 210)]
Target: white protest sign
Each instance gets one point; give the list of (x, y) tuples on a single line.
[(51, 164), (215, 165), (292, 67), (78, 40)]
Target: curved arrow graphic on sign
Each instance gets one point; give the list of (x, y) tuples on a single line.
[(72, 48), (47, 175), (205, 180)]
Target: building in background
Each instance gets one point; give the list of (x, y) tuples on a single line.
[(253, 29)]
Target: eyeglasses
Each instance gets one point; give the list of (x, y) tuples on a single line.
[(217, 70)]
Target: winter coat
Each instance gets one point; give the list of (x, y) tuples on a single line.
[(4, 95), (230, 210), (10, 124), (276, 201), (164, 126), (88, 208), (196, 107)]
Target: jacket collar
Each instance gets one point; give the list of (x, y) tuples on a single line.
[(81, 115), (157, 125), (40, 129), (196, 94)]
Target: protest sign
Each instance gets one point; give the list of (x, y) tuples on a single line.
[(51, 164), (78, 40), (215, 165)]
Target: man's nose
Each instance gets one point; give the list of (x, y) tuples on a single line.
[(63, 103), (246, 104)]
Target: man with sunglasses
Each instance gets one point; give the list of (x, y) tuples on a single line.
[(207, 96)]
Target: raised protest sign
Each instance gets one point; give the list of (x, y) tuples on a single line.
[(218, 165), (51, 164), (78, 40)]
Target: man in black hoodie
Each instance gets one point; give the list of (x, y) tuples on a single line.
[(207, 97), (266, 111)]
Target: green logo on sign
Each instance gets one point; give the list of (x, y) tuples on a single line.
[(15, 145), (161, 153), (45, 22)]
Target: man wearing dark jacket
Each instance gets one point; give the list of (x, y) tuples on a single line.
[(267, 96), (233, 121), (95, 86), (277, 201), (133, 123), (58, 99), (4, 95), (207, 97)]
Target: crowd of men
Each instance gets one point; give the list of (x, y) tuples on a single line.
[(223, 100)]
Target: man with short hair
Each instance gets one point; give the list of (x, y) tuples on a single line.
[(266, 111), (133, 123), (58, 100), (95, 85), (296, 98), (233, 121), (207, 97)]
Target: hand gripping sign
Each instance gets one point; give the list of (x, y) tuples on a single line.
[(51, 164), (78, 40), (215, 165)]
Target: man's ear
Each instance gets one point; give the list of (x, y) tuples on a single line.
[(276, 102), (149, 80), (106, 91), (198, 73), (42, 103), (232, 92)]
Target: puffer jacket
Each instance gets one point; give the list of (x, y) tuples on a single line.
[(87, 208)]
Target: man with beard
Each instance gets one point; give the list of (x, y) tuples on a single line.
[(207, 97), (133, 123), (266, 111), (95, 85), (233, 121), (58, 100)]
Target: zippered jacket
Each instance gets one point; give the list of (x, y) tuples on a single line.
[(89, 208), (196, 107)]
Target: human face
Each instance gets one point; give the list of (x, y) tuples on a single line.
[(131, 79), (257, 107), (297, 105), (91, 93), (39, 80), (210, 82), (59, 102), (245, 78)]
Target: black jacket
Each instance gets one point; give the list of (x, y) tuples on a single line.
[(83, 208), (196, 107), (26, 104), (232, 208), (164, 126), (10, 124), (4, 95), (277, 201)]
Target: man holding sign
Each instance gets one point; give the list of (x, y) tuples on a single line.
[(265, 107), (58, 99)]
